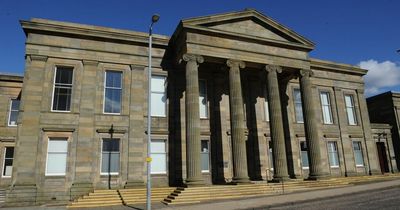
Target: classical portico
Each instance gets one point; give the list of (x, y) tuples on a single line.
[(245, 42)]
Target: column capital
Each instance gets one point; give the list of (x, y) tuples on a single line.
[(191, 57), (306, 73), (271, 68), (235, 63)]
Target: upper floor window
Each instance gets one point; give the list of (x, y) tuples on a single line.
[(8, 161), (158, 96), (350, 110), (113, 92), (14, 110), (298, 106), (203, 99), (62, 89), (57, 156), (326, 108)]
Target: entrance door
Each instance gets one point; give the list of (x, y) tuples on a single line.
[(382, 157)]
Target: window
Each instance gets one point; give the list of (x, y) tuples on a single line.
[(113, 92), (57, 156), (304, 154), (8, 161), (159, 156), (14, 110), (203, 99), (110, 157), (358, 157), (333, 155), (158, 97), (298, 106), (62, 89), (266, 107), (350, 109), (326, 108), (270, 156), (205, 156)]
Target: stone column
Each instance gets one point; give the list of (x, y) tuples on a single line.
[(276, 124), (310, 125), (240, 174), (193, 147)]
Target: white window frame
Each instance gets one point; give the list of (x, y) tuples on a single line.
[(336, 154), (329, 106), (104, 91), (157, 92), (352, 107), (201, 152), (11, 110), (165, 153), (4, 161), (205, 98), (266, 105), (301, 156), (54, 88), (361, 152), (295, 107), (47, 156), (101, 157)]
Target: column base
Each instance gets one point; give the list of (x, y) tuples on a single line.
[(240, 180), (194, 182), (277, 179), (134, 184), (315, 177)]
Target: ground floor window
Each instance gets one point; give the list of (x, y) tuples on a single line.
[(205, 156), (159, 156), (358, 157), (8, 161), (110, 156), (270, 156), (57, 151), (333, 154), (304, 154)]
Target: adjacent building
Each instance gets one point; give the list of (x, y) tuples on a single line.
[(235, 98)]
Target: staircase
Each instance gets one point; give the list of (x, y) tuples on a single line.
[(182, 195), (120, 197), (2, 196)]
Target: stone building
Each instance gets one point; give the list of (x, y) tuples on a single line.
[(385, 108), (235, 98)]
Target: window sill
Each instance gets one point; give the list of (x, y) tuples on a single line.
[(360, 166), (6, 177), (335, 167), (116, 114), (159, 174), (55, 176), (59, 111), (305, 168), (13, 126)]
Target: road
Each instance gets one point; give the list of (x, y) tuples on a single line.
[(378, 199)]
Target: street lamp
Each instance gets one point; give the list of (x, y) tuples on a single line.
[(154, 19)]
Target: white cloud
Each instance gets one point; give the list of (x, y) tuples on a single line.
[(380, 75)]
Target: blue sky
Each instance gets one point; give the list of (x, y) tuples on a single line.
[(356, 32)]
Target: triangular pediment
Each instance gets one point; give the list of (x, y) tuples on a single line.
[(248, 23)]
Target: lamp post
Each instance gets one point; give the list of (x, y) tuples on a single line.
[(154, 19)]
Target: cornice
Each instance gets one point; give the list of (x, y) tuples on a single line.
[(336, 67), (36, 25)]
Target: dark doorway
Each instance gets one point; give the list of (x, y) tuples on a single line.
[(382, 157)]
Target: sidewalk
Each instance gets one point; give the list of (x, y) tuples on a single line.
[(267, 201)]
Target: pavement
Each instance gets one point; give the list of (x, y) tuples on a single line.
[(262, 202)]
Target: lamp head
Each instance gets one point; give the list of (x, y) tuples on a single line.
[(155, 18)]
